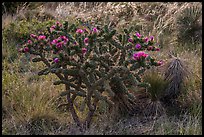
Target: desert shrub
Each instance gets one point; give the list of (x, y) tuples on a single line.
[(84, 59)]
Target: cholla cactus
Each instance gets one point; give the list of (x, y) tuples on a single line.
[(90, 61)]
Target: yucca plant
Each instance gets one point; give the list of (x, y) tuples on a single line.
[(189, 26), (158, 85), (151, 104), (175, 73)]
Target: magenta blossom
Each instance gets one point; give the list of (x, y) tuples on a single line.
[(84, 50), (56, 60), (80, 31), (130, 40), (138, 35), (151, 38), (157, 49), (33, 36), (86, 40), (53, 27), (26, 49), (85, 30), (58, 24), (54, 42), (146, 39), (59, 45), (75, 43), (139, 55), (41, 37), (95, 30), (150, 48), (64, 38), (159, 63), (29, 42), (137, 46)]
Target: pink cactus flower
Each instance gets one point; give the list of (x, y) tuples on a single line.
[(26, 49), (138, 35), (137, 46), (86, 40), (80, 31), (130, 40), (135, 56), (84, 50), (33, 36), (53, 27), (58, 24), (150, 48), (151, 38), (142, 54), (64, 38), (146, 39), (30, 42), (157, 49), (85, 30), (139, 55), (59, 45), (95, 30), (54, 42), (159, 63), (56, 60), (75, 43), (41, 37)]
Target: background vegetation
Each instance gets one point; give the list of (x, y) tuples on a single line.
[(30, 103)]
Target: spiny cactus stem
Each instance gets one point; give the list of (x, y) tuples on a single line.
[(60, 76), (79, 92), (73, 112), (122, 57), (113, 71), (83, 75), (99, 74), (101, 62), (116, 44), (45, 61), (89, 88), (34, 53), (89, 117)]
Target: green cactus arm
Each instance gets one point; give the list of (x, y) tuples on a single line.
[(108, 88), (122, 57), (116, 44), (43, 72), (71, 72), (36, 59), (112, 72), (78, 93)]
